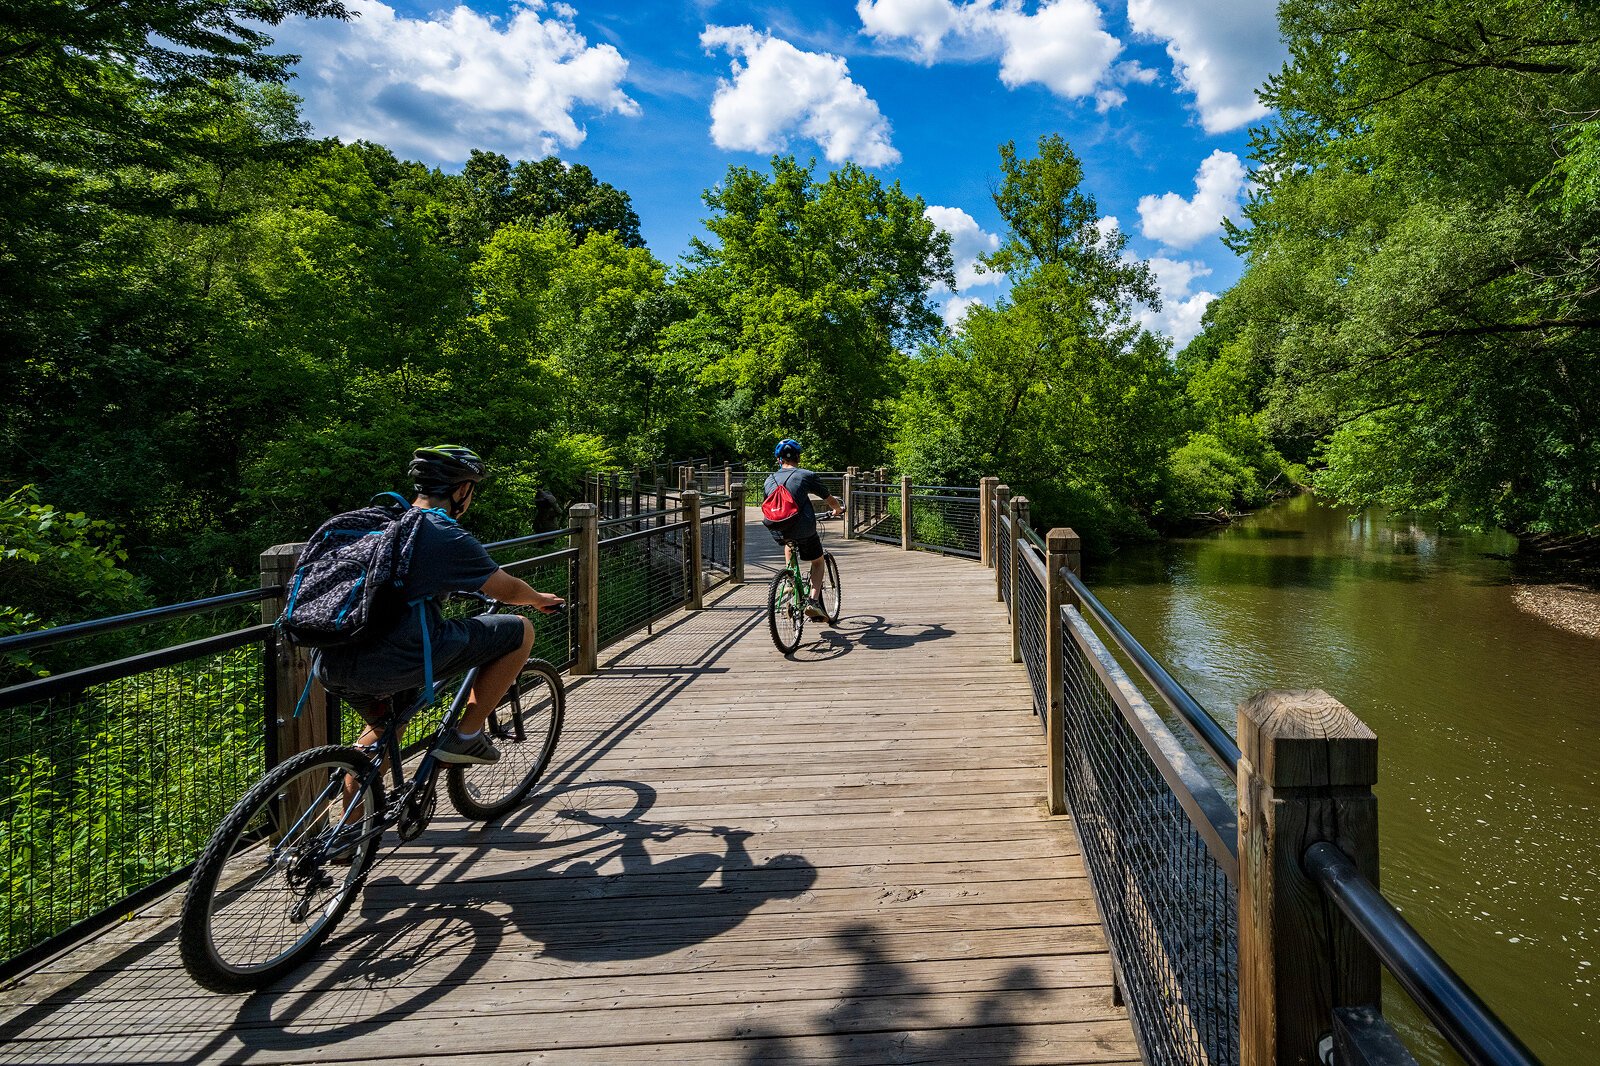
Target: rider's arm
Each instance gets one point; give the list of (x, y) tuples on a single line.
[(834, 505), (509, 589)]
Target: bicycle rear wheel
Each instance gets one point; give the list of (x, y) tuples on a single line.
[(280, 871), (832, 593), (786, 616), (524, 727)]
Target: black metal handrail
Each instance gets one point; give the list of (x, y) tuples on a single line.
[(1210, 732), (97, 626), (531, 538), (55, 685), (1464, 1020)]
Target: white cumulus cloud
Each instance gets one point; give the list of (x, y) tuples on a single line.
[(436, 88), (968, 240), (779, 91), (1181, 305), (1063, 45), (955, 309), (1220, 52), (1180, 223)]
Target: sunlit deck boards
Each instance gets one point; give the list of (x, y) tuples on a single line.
[(840, 858)]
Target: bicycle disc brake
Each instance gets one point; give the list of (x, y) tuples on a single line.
[(416, 812)]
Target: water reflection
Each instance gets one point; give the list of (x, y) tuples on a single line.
[(1487, 719)]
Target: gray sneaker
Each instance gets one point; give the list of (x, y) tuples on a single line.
[(477, 750), (814, 609)]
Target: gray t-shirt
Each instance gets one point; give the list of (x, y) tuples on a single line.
[(802, 485)]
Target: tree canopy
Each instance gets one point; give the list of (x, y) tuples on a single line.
[(1422, 293)]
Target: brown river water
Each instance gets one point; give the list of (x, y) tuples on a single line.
[(1488, 724)]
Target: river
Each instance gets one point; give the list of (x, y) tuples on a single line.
[(1488, 724)]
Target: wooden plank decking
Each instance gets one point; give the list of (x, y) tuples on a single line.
[(839, 858)]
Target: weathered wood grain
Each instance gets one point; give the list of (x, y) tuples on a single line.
[(843, 856)]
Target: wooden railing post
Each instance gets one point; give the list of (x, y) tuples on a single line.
[(1002, 506), (291, 667), (661, 500), (584, 520), (907, 531), (1062, 545), (636, 499), (849, 499), (986, 487), (1019, 518), (736, 542), (692, 597), (727, 479), (1305, 775)]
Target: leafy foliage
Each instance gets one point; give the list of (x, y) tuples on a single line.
[(1055, 390), (804, 301), (1423, 286)]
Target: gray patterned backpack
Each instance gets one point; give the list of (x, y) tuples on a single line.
[(347, 581)]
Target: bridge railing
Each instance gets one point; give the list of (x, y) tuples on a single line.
[(1236, 881), (115, 772)]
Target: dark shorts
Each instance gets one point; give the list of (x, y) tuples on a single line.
[(810, 547), (393, 665)]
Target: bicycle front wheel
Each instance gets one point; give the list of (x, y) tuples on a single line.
[(786, 616), (524, 727), (281, 869), (832, 593)]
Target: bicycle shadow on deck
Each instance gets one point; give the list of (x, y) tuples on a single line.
[(868, 632)]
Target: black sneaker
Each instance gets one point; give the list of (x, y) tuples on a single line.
[(477, 750)]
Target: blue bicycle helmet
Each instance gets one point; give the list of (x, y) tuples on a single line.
[(788, 448)]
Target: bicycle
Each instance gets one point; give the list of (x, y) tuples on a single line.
[(289, 859), (791, 591)]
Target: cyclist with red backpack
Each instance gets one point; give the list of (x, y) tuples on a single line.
[(788, 515)]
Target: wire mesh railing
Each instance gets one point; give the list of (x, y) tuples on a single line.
[(1167, 899), (1003, 560), (644, 575), (717, 532), (946, 518), (114, 774), (1031, 643), (875, 512)]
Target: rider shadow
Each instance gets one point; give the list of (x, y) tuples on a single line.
[(871, 632), (613, 899), (887, 1015)]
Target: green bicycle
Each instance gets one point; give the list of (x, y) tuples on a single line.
[(789, 593)]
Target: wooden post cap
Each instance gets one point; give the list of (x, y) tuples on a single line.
[(1304, 738), (1062, 540)]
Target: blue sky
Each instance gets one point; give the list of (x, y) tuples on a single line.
[(1155, 96)]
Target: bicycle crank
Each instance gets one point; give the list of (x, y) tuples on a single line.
[(416, 812)]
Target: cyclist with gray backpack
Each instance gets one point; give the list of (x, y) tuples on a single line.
[(788, 515), (415, 554)]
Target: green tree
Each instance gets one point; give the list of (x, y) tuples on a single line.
[(492, 192), (1056, 389), (804, 298), (1423, 255)]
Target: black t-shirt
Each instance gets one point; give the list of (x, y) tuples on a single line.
[(802, 485)]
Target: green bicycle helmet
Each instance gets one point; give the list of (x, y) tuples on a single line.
[(444, 466)]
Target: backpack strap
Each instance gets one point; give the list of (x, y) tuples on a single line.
[(421, 605)]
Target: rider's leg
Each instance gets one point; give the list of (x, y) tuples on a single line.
[(817, 574), (494, 681)]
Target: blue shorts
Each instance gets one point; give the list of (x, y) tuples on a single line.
[(393, 664)]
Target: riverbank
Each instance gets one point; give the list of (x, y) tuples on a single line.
[(1575, 608)]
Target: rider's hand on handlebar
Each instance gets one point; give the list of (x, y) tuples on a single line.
[(548, 603)]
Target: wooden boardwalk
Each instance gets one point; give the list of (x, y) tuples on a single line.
[(738, 858)]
